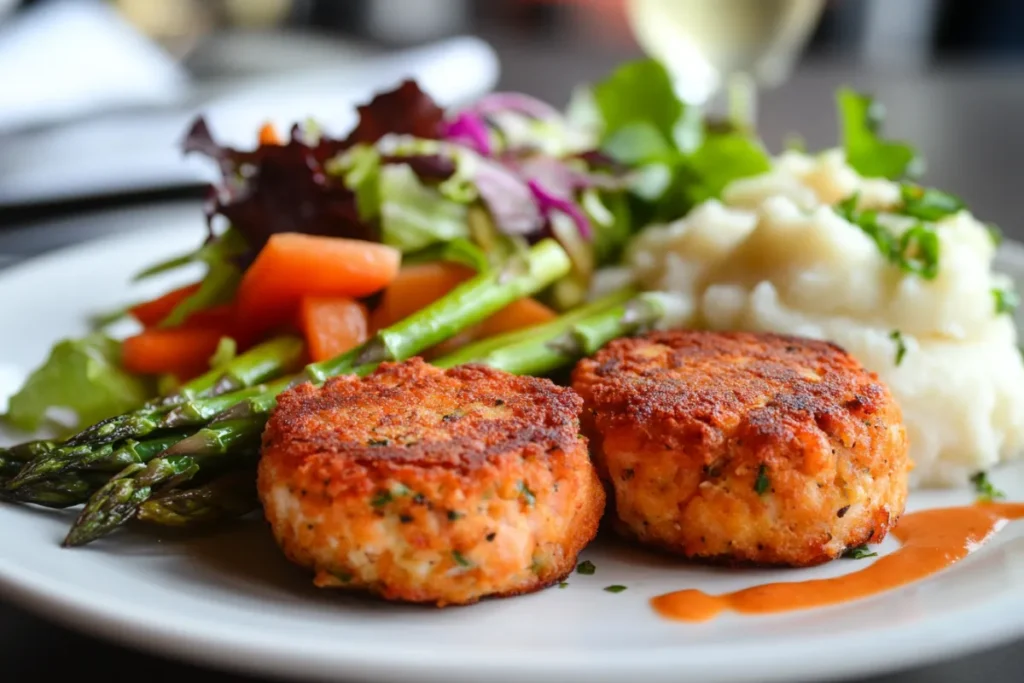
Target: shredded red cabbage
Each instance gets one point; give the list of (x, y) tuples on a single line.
[(470, 130), (512, 101), (550, 202)]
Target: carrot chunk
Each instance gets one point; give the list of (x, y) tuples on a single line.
[(516, 316), (181, 351), (150, 313), (414, 288), (332, 325), (293, 265)]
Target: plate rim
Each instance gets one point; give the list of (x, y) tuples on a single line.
[(992, 623)]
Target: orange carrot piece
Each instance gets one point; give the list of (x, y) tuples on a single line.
[(516, 316), (182, 351), (150, 313), (268, 135), (332, 325), (293, 265), (414, 288)]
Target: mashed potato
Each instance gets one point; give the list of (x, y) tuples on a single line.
[(773, 255)]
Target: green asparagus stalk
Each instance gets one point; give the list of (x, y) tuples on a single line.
[(260, 363), (106, 458), (63, 491), (119, 499), (229, 496), (466, 305), (136, 426), (565, 339), (12, 459)]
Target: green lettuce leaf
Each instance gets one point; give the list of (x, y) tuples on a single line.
[(82, 375), (678, 158), (414, 216), (639, 91), (860, 123), (722, 158)]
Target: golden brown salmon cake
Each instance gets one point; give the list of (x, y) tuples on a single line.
[(428, 485), (744, 448)]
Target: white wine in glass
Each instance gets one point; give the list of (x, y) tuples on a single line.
[(715, 45)]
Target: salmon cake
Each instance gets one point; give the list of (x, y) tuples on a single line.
[(433, 486), (743, 448)]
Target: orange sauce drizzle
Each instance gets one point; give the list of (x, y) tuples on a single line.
[(932, 540)]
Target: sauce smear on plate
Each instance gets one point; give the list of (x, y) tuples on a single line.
[(931, 541)]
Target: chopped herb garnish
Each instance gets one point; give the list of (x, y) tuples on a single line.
[(919, 251), (928, 204), (995, 233), (860, 122), (586, 567), (1006, 300), (344, 577), (460, 559), (615, 589), (986, 491), (563, 584), (762, 483), (377, 442), (859, 553), (901, 346), (916, 251), (527, 494), (454, 515), (381, 498)]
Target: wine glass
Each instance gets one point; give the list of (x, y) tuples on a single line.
[(725, 48)]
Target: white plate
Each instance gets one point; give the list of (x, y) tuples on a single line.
[(228, 598)]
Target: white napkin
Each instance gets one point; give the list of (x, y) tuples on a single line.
[(69, 58), (139, 149)]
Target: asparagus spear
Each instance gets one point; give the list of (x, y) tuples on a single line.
[(12, 459), (258, 364), (229, 496), (466, 305), (63, 491), (119, 499), (105, 458), (137, 425), (565, 339)]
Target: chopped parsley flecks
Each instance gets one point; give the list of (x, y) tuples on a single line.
[(614, 589), (762, 483), (381, 498), (995, 233), (527, 494), (454, 515), (859, 553), (915, 251), (928, 204), (377, 442), (586, 567), (460, 559), (861, 119), (1006, 300), (563, 584), (986, 491), (901, 346), (919, 251)]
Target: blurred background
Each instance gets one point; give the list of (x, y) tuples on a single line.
[(97, 93)]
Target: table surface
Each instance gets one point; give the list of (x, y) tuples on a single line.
[(966, 121)]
